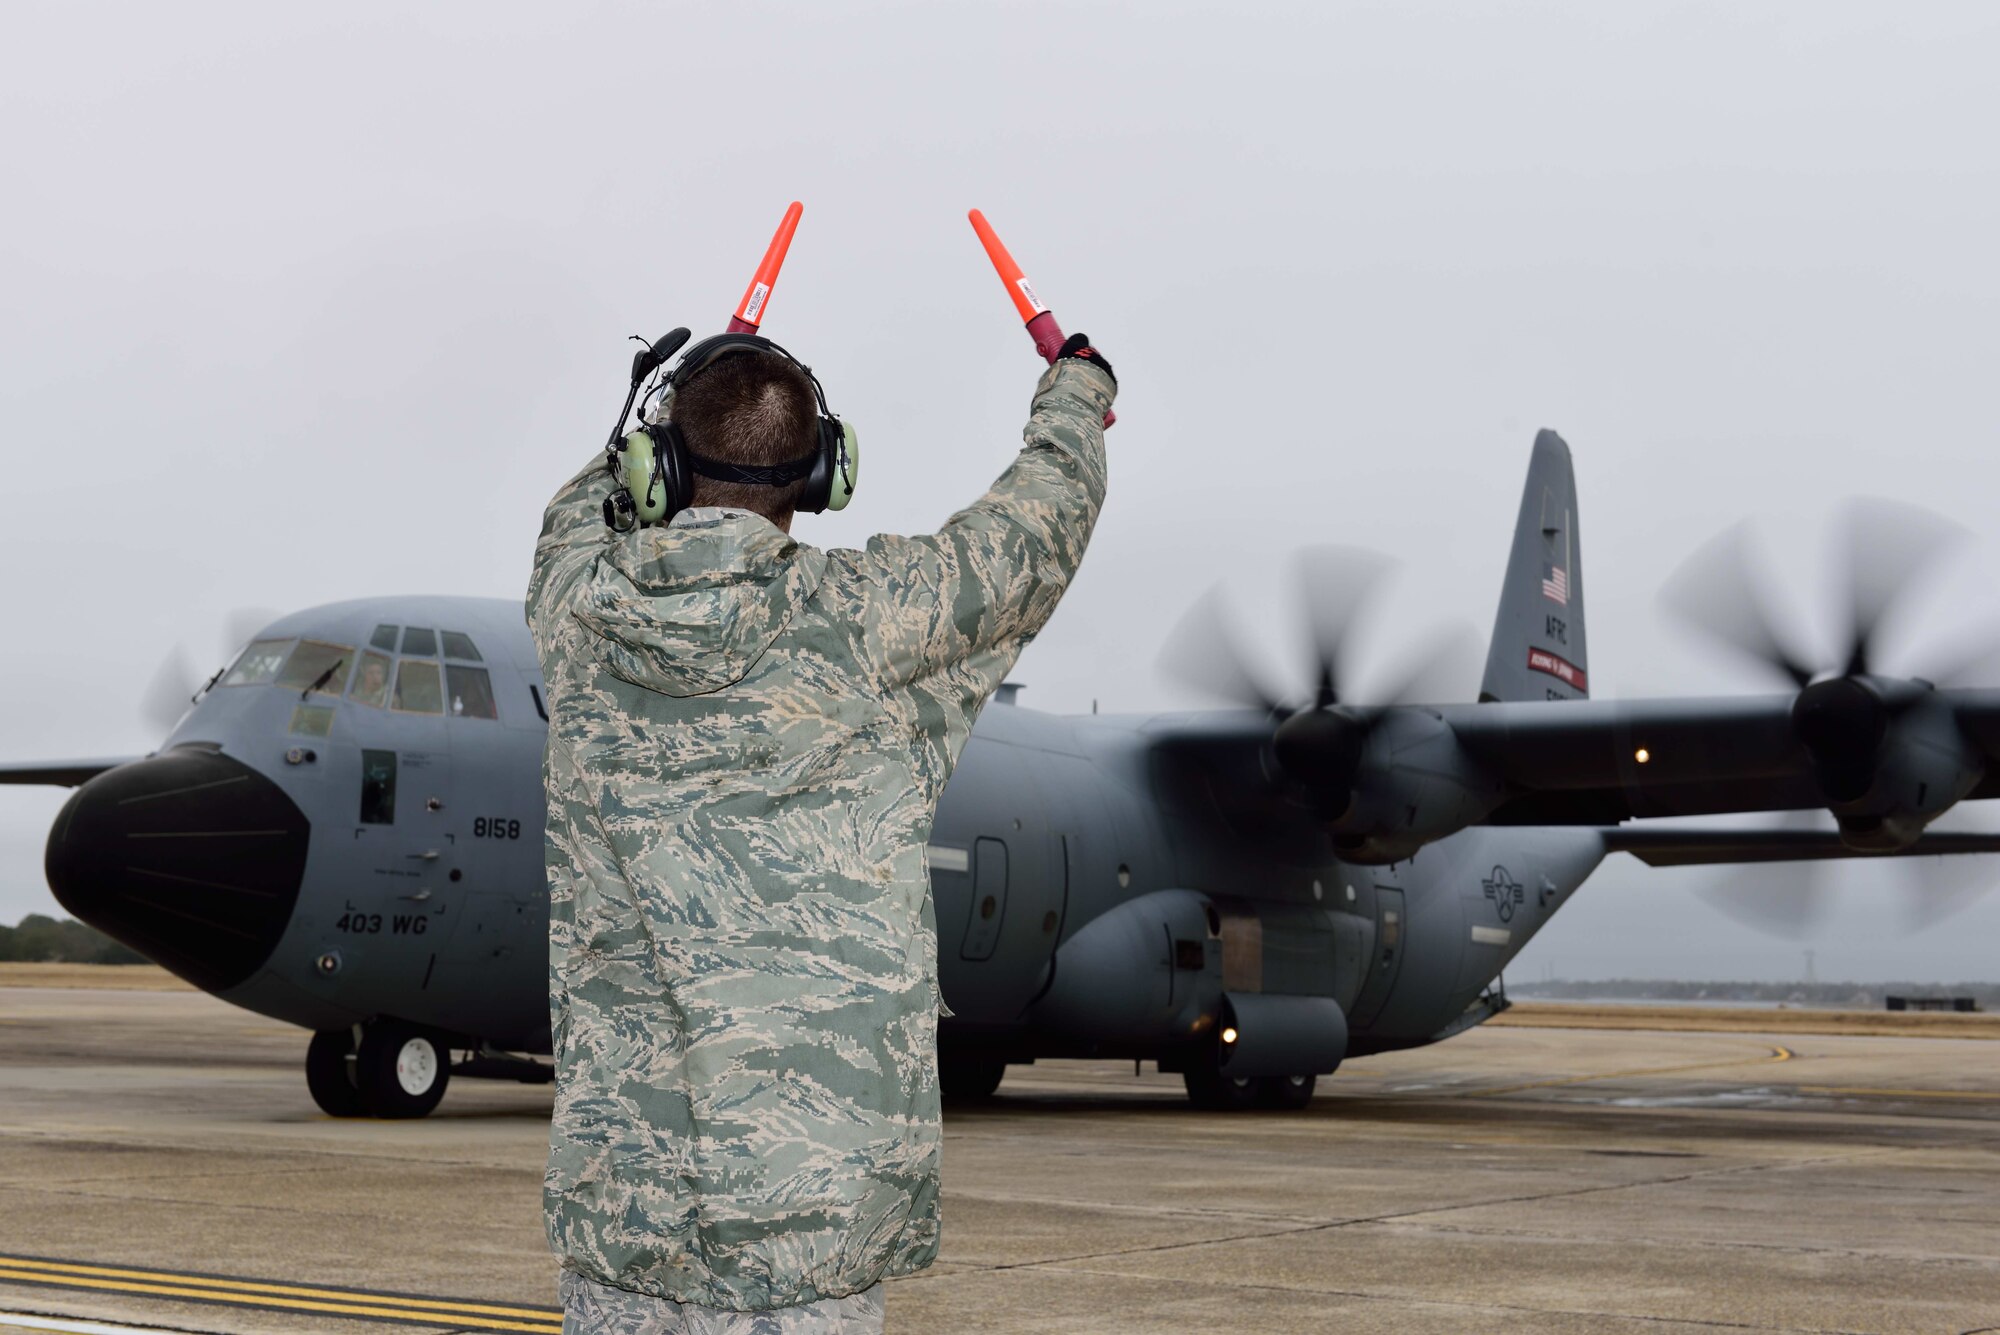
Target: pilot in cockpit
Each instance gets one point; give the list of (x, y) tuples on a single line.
[(371, 684)]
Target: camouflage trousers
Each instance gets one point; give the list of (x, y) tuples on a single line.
[(590, 1308)]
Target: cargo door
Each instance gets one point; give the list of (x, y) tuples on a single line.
[(998, 886)]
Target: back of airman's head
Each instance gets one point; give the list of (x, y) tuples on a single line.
[(751, 408)]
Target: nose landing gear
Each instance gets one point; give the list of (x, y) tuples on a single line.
[(396, 1070)]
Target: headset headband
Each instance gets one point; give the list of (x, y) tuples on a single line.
[(656, 469), (714, 348)]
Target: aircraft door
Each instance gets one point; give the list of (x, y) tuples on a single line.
[(1390, 925), (997, 888), (989, 899)]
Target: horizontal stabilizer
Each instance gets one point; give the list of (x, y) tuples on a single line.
[(61, 773), (1703, 848)]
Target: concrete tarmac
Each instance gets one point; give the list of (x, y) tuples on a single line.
[(160, 1147)]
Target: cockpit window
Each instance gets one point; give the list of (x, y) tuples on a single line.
[(417, 690), (458, 646), (312, 720), (384, 639), (371, 683), (471, 691), (258, 663), (417, 640), (318, 667)]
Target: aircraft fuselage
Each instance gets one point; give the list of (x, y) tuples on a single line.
[(1089, 899)]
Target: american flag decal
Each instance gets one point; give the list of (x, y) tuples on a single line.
[(1555, 585)]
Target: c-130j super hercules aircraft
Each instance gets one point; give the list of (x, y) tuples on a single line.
[(345, 833)]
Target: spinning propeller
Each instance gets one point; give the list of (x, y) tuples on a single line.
[(1322, 733), (175, 682), (1844, 712), (1882, 548)]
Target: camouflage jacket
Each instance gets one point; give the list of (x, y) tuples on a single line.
[(747, 741)]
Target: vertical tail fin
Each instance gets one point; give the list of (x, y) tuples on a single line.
[(1538, 646)]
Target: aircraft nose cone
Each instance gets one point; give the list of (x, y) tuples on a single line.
[(191, 858)]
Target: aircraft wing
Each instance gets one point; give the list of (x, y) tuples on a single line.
[(1387, 780), (62, 773), (1685, 847), (1578, 762)]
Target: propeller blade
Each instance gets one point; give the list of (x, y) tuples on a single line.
[(1716, 592), (1782, 899), (1886, 546), (1334, 583), (241, 625), (1935, 888), (1204, 653), (170, 691), (1443, 668), (1972, 661)]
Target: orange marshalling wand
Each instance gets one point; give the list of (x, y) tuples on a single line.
[(1017, 284), (757, 297), (1042, 326)]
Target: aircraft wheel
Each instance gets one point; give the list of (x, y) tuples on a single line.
[(1286, 1091), (330, 1073), (969, 1081), (1221, 1093), (402, 1070)]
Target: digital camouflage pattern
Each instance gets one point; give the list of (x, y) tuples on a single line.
[(747, 741), (590, 1308)]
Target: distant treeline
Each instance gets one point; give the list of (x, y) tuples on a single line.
[(1806, 994), (40, 938)]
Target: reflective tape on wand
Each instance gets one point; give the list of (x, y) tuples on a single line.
[(757, 296), (1042, 326)]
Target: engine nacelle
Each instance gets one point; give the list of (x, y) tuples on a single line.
[(1414, 785), (1888, 755)]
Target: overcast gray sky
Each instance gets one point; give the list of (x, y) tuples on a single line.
[(311, 303)]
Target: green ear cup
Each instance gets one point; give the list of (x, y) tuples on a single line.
[(638, 456), (845, 478)]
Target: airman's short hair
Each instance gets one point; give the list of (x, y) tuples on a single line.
[(750, 408)]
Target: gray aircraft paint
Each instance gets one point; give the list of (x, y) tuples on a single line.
[(1104, 885), (1538, 649), (478, 967), (1096, 847)]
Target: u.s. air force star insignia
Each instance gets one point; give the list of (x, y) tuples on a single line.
[(1505, 892)]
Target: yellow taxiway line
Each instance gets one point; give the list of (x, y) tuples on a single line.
[(353, 1303)]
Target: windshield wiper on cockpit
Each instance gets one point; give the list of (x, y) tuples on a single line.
[(323, 678)]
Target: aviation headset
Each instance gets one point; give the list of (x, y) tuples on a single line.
[(655, 470)]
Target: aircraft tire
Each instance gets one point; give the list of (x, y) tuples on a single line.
[(1221, 1093), (969, 1081), (402, 1070), (330, 1074), (1286, 1091)]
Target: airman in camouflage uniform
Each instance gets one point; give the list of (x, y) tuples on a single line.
[(747, 741)]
